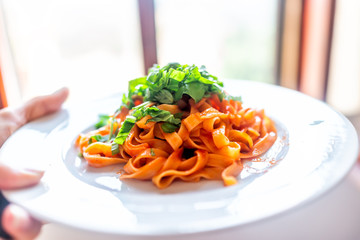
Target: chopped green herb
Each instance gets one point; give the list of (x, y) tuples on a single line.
[(228, 97), (114, 148), (152, 152), (103, 120), (98, 138), (111, 128), (157, 115), (178, 115), (196, 90), (167, 85), (177, 75), (169, 127), (164, 96), (125, 129), (161, 116)]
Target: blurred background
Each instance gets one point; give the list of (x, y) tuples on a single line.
[(95, 46)]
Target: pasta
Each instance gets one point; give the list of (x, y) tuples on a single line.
[(211, 138)]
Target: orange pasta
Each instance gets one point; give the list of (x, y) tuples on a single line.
[(215, 142), (178, 124)]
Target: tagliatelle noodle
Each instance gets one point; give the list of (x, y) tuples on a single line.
[(213, 139)]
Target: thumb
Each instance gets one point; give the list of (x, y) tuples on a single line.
[(14, 179), (19, 224), (43, 105)]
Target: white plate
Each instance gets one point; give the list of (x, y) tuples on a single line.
[(315, 149)]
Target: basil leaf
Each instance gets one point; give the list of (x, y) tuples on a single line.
[(136, 84), (235, 98), (173, 65), (195, 90), (178, 115), (161, 116), (178, 95), (137, 87), (169, 83), (115, 148), (157, 115), (152, 152), (124, 130), (111, 128), (164, 96), (177, 75), (98, 138), (154, 68), (103, 120), (169, 127), (173, 85)]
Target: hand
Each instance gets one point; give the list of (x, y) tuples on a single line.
[(15, 220)]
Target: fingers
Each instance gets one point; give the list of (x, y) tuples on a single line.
[(15, 220), (11, 119), (19, 224), (43, 105), (15, 179), (9, 123)]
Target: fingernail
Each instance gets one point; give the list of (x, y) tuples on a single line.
[(32, 172), (35, 171), (61, 90)]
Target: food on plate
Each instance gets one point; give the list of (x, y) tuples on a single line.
[(178, 123)]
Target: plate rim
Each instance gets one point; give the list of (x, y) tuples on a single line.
[(353, 154)]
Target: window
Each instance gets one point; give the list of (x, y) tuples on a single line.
[(234, 39), (91, 46)]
